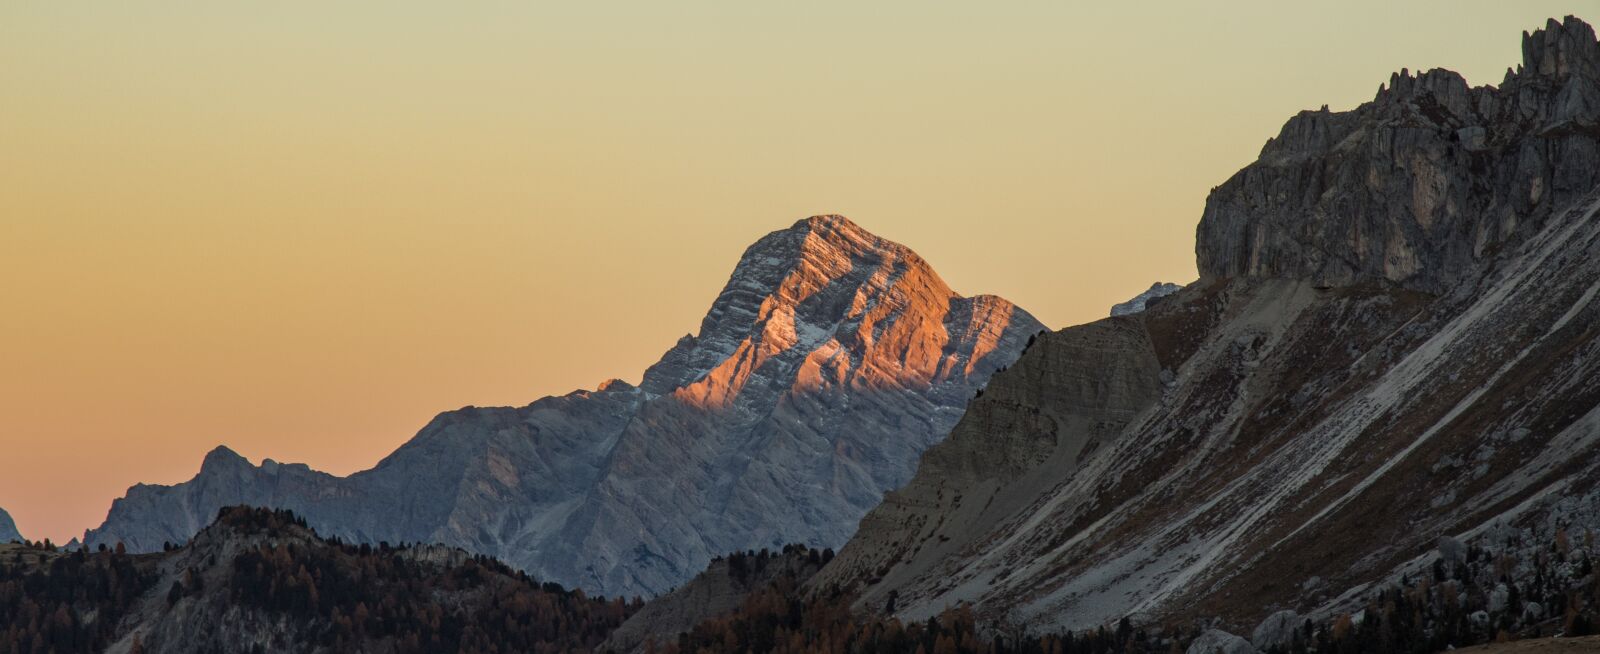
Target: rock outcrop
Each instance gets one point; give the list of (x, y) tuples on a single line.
[(1370, 361), (1277, 631), (1424, 185), (8, 528), (1156, 291), (830, 360)]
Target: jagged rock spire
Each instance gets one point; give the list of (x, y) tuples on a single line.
[(1561, 50)]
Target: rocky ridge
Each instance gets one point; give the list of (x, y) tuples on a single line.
[(1395, 338), (1424, 185), (828, 362)]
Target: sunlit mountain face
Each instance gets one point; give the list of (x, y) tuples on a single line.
[(830, 360)]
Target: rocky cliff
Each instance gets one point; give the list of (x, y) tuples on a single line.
[(828, 362), (1396, 338), (1425, 185)]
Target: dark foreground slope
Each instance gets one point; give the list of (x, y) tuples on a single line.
[(1546, 646), (1392, 360), (260, 581), (728, 585), (754, 602)]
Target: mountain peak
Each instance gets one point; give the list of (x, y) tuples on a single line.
[(839, 231), (830, 222), (797, 289), (820, 242), (223, 456)]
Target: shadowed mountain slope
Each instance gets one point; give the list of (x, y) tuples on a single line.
[(1396, 338)]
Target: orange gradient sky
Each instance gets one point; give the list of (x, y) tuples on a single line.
[(304, 228)]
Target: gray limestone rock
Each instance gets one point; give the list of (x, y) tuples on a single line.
[(830, 360), (1422, 185), (1217, 641), (1277, 630)]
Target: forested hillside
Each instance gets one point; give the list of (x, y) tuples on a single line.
[(261, 581)]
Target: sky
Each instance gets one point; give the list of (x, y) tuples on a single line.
[(302, 229)]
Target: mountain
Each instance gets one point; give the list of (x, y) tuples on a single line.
[(261, 581), (8, 528), (1387, 378), (776, 617), (1156, 291), (828, 362)]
